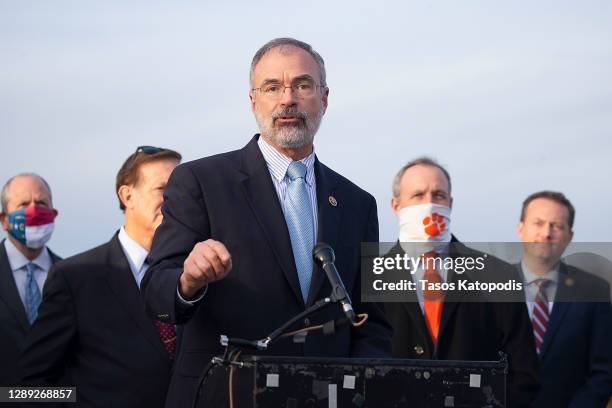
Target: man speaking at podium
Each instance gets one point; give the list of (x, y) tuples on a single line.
[(233, 255)]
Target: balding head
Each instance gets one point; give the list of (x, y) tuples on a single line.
[(22, 188)]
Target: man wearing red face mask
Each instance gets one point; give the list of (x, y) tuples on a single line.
[(27, 217)]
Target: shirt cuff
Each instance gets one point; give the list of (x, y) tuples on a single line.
[(199, 296)]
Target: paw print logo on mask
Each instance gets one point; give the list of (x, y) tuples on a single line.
[(434, 224)]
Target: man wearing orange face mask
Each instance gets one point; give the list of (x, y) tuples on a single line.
[(27, 217), (569, 309), (440, 325)]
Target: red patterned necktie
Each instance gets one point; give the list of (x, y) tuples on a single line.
[(167, 333), (540, 314)]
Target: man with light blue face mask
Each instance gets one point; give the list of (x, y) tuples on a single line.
[(28, 218), (439, 324)]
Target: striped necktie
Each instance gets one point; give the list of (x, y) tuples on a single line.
[(298, 215), (32, 293), (540, 314)]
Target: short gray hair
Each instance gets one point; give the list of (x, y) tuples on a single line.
[(423, 161), (4, 196), (289, 42)]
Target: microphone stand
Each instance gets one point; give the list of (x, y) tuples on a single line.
[(234, 346)]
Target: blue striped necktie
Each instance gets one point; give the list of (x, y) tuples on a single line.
[(298, 215), (32, 294)]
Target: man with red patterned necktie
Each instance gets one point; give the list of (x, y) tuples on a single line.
[(438, 325), (569, 308), (92, 330)]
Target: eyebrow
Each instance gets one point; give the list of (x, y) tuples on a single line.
[(304, 77)]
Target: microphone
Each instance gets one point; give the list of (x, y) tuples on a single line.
[(324, 256)]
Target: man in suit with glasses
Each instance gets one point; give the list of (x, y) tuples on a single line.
[(233, 255)]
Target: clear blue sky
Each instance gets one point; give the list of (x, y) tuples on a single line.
[(512, 97)]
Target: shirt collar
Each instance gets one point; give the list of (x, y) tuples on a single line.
[(135, 252), (278, 163), (530, 277), (17, 260)]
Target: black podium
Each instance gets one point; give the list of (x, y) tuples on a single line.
[(291, 382)]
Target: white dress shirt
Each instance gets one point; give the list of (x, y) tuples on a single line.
[(19, 262), (135, 255)]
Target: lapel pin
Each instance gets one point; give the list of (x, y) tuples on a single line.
[(569, 282), (333, 201)]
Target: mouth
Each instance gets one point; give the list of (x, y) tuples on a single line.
[(288, 120)]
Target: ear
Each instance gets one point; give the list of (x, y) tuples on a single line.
[(3, 220), (252, 101), (55, 212), (125, 195), (519, 229), (324, 98), (450, 203), (395, 205)]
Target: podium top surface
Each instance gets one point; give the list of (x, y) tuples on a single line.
[(502, 363)]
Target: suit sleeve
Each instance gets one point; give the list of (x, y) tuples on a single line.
[(185, 223), (598, 387), (373, 339), (52, 335), (518, 343)]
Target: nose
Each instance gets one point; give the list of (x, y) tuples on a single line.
[(287, 97), (547, 232)]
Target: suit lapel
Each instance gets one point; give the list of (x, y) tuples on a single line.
[(123, 285), (54, 257), (8, 289), (559, 309), (451, 302), (452, 298), (328, 221), (263, 199), (414, 312)]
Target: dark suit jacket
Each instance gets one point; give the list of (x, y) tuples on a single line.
[(231, 198), (14, 323), (471, 330), (92, 329), (576, 356)]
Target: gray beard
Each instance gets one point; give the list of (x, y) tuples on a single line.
[(290, 136)]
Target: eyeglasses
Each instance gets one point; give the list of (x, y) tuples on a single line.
[(149, 149), (302, 88)]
